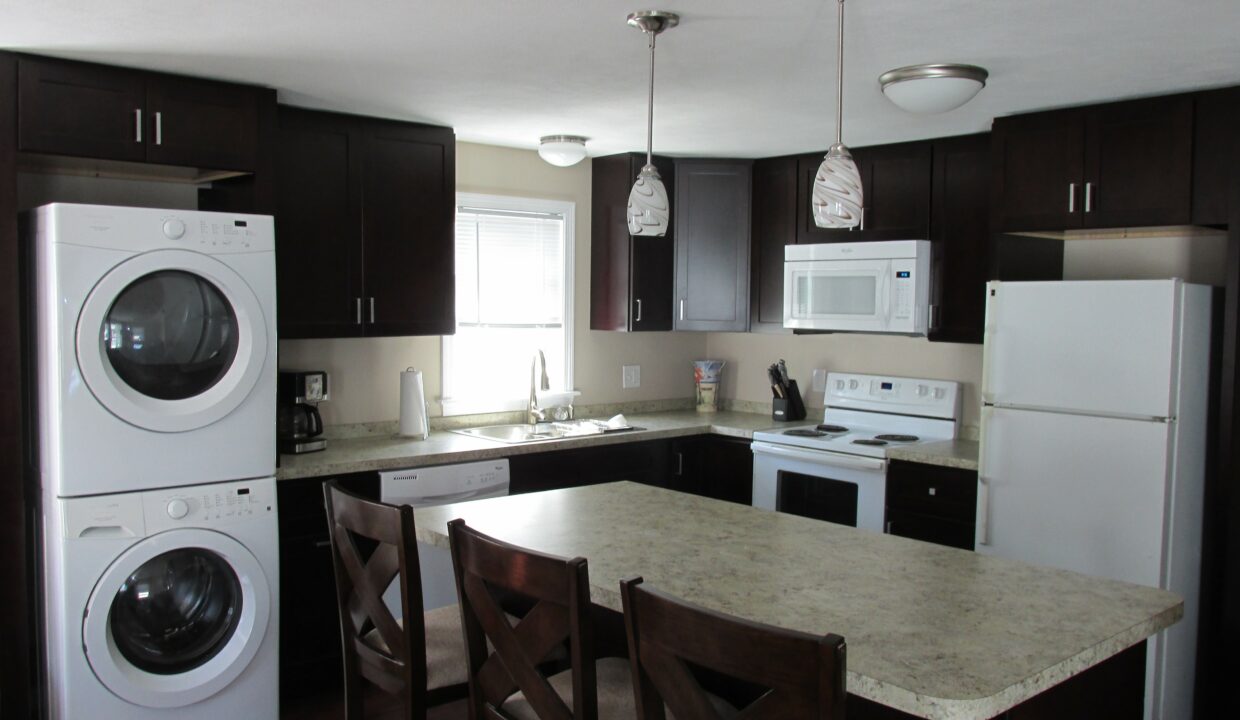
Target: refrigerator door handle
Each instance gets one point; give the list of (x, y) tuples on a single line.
[(990, 337), (983, 510)]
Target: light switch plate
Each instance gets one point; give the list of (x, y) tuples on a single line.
[(631, 376), (820, 380)]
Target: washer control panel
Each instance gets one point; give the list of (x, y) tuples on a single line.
[(140, 514)]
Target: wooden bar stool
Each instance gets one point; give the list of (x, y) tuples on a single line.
[(506, 680), (422, 660), (797, 675)]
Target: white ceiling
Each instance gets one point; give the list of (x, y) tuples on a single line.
[(747, 79)]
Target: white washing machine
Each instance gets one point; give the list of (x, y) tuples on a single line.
[(156, 347), (164, 604)]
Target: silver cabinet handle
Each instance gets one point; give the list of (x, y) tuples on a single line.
[(932, 491), (680, 463), (159, 128), (323, 543), (372, 311), (888, 528), (639, 310), (1071, 197), (1089, 188), (137, 125), (934, 317), (359, 311), (682, 308)]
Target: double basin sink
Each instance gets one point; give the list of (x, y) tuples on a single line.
[(538, 432)]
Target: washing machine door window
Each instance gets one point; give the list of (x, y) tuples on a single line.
[(176, 618), (171, 340)]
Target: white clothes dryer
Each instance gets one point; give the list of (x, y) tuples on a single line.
[(163, 604), (156, 347)]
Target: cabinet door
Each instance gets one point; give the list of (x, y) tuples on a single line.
[(713, 466), (1138, 163), (318, 225), (408, 216), (199, 123), (69, 108), (1215, 119), (930, 529), (630, 277), (960, 238), (1038, 171), (712, 245), (774, 226), (897, 191)]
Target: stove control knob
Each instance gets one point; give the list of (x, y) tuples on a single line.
[(839, 384), (922, 390), (178, 509), (852, 384), (174, 229), (939, 393)]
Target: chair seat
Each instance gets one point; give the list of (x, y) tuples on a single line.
[(615, 692), (445, 647)]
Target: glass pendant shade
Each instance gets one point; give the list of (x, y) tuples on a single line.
[(932, 89), (837, 197), (562, 150), (649, 211)]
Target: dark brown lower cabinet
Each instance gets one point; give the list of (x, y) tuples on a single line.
[(713, 466), (932, 503), (640, 462)]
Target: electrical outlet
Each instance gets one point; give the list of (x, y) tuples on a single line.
[(820, 380), (631, 376)]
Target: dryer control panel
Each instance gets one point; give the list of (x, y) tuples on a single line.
[(140, 514)]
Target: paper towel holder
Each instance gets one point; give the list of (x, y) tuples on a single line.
[(415, 419)]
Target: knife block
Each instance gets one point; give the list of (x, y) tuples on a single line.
[(789, 408)]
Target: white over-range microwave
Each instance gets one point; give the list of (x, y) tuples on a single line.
[(876, 287)]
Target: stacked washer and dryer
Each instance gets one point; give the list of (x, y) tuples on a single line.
[(156, 352)]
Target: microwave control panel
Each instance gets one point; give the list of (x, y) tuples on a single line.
[(903, 295)]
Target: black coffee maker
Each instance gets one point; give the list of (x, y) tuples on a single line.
[(298, 423)]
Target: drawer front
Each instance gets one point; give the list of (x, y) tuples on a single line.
[(927, 490), (929, 529)]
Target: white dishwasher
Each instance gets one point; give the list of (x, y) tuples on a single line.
[(439, 485)]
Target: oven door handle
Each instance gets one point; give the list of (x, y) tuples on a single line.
[(820, 457)]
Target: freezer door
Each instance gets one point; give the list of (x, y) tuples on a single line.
[(1102, 347), (1074, 492)]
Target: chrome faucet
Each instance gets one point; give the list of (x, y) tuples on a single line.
[(533, 414)]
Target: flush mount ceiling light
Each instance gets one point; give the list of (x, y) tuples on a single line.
[(562, 150), (837, 199), (649, 211), (933, 88)]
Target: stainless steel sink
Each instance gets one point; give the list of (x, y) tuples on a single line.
[(526, 433)]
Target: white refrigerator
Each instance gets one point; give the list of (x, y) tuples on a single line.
[(1093, 444)]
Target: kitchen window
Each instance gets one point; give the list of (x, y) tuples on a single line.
[(514, 294)]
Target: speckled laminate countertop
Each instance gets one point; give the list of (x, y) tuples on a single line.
[(937, 632), (390, 452), (949, 453)]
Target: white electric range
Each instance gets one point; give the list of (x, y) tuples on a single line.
[(836, 470)]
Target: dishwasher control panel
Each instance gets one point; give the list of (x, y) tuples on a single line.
[(444, 484)]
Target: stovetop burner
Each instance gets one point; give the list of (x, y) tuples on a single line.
[(873, 443), (804, 432), (832, 429), (897, 438)]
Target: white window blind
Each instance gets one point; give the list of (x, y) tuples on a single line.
[(513, 298)]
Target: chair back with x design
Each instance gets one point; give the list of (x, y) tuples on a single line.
[(389, 653), (488, 569), (800, 675)]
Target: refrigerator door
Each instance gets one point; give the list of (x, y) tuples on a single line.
[(1097, 347), (1074, 492)]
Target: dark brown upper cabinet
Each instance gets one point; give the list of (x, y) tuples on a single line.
[(365, 211), (960, 238), (1095, 167), (712, 244), (84, 110), (630, 276), (1215, 119), (774, 227), (895, 182)]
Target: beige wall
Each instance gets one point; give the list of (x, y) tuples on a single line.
[(365, 372), (1195, 258)]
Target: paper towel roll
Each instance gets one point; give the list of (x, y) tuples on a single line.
[(413, 416)]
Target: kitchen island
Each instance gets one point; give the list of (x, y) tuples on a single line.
[(932, 632)]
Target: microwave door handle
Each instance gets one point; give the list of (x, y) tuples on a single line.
[(885, 291)]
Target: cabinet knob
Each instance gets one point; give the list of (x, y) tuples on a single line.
[(931, 491)]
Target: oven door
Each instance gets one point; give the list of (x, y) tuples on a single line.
[(839, 488)]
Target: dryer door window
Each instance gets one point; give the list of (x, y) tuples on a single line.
[(176, 611), (172, 340), (176, 618), (170, 335)]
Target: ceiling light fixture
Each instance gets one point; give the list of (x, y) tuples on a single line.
[(562, 150), (837, 198), (934, 87), (649, 211)]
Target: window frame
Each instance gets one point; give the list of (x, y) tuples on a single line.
[(513, 203)]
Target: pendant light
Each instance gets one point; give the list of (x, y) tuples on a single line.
[(837, 196), (562, 150), (933, 88), (649, 211)]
